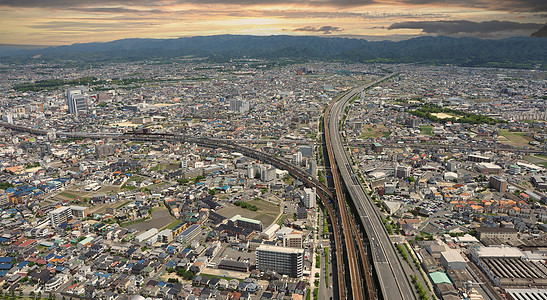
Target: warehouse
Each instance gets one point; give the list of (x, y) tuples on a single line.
[(452, 260)]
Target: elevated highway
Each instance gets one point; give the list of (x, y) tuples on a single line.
[(393, 282)]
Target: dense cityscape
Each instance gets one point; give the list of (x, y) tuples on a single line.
[(104, 196)]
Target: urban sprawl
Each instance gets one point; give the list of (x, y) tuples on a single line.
[(454, 159)]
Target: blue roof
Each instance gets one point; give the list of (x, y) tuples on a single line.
[(49, 256), (3, 273), (5, 266), (22, 265), (60, 269), (6, 259), (161, 283)]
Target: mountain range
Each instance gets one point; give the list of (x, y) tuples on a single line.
[(525, 52)]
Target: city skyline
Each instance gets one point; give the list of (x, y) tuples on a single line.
[(65, 22)]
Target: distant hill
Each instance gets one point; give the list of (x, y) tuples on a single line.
[(525, 52)]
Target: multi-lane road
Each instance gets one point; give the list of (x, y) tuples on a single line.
[(393, 282)]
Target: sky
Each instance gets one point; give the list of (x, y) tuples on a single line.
[(63, 22)]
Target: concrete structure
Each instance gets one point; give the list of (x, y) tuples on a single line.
[(146, 235), (309, 197), (267, 173), (60, 215), (297, 158), (293, 240), (478, 158), (79, 212), (307, 151), (452, 260), (76, 101), (498, 183), (190, 233), (269, 233), (514, 170), (488, 168), (232, 265), (239, 105), (165, 236), (286, 261), (504, 234), (402, 171), (243, 222)]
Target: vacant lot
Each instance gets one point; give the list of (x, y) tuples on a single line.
[(516, 139), (267, 212), (377, 131), (160, 218)]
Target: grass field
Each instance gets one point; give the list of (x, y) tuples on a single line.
[(516, 139), (171, 225), (426, 129)]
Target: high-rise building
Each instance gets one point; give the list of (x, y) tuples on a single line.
[(411, 122), (60, 215), (286, 261), (498, 183), (402, 171), (250, 172), (451, 166), (239, 105), (76, 101), (309, 197), (267, 173), (312, 167), (297, 158)]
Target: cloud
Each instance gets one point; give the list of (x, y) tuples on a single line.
[(465, 27), (323, 29)]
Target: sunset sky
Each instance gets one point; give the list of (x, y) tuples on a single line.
[(61, 22)]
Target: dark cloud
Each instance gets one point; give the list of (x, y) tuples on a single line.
[(323, 29), (501, 5), (541, 33), (465, 27)]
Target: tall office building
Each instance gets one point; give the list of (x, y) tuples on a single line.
[(76, 101), (239, 105), (286, 261), (309, 197), (60, 215)]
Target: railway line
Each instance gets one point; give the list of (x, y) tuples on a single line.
[(392, 281)]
